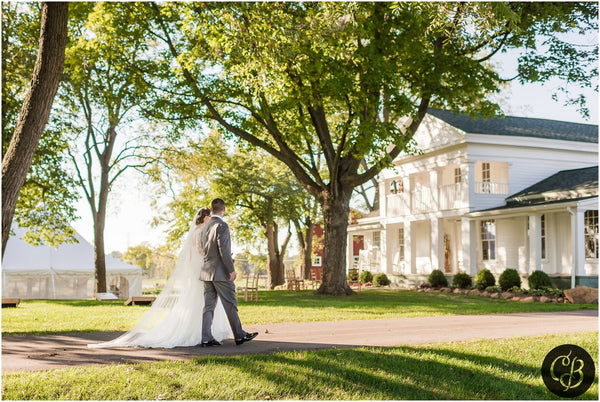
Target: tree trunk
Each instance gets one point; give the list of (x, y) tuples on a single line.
[(274, 258), (99, 254), (307, 252), (336, 211), (36, 108)]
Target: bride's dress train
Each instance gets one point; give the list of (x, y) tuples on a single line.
[(175, 317)]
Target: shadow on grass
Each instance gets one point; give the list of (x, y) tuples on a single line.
[(390, 373)]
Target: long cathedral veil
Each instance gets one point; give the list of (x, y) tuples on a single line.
[(175, 317)]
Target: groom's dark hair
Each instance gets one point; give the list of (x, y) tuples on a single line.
[(217, 205)]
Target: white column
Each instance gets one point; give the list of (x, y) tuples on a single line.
[(469, 244), (382, 199), (578, 244), (535, 242), (409, 246), (383, 262), (434, 252), (433, 185)]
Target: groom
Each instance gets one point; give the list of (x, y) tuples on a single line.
[(218, 275)]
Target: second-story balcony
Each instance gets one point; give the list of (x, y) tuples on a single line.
[(451, 196)]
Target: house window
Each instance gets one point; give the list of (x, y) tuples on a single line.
[(401, 243), (377, 240), (543, 229), (591, 233), (457, 175), (396, 187), (317, 261), (485, 172), (488, 240)]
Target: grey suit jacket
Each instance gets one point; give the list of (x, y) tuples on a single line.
[(216, 243)]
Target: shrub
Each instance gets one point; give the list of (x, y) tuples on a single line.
[(462, 280), (366, 276), (484, 279), (437, 278), (539, 280), (493, 289), (509, 278), (352, 275), (381, 280)]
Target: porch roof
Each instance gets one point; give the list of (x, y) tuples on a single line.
[(520, 127), (566, 186)]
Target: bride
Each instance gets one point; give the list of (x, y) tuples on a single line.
[(175, 318)]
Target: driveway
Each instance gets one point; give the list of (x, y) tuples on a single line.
[(29, 353)]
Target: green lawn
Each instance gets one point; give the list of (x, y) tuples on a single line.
[(64, 316), (483, 369)]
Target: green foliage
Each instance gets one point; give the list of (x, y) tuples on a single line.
[(538, 280), (493, 289), (352, 275), (484, 279), (462, 280), (366, 277), (509, 278), (46, 204), (381, 279), (437, 278)]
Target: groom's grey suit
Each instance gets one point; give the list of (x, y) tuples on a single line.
[(218, 264)]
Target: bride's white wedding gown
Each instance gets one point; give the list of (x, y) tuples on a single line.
[(175, 317)]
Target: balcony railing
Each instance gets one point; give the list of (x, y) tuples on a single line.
[(451, 196), (422, 200), (490, 187), (398, 204)]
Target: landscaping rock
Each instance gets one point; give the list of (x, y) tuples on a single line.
[(529, 299), (473, 292), (457, 290), (582, 295), (545, 299), (495, 295), (506, 295), (446, 290)]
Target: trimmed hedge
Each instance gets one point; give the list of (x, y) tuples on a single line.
[(539, 280), (509, 279), (366, 276), (462, 280), (437, 278), (381, 279), (484, 279)]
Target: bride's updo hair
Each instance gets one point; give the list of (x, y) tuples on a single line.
[(203, 213)]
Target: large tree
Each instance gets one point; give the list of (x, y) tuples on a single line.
[(352, 82), (46, 203), (100, 102), (35, 110), (258, 189)]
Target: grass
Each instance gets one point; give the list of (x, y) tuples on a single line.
[(68, 316), (482, 369)]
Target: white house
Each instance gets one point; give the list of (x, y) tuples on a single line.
[(498, 193)]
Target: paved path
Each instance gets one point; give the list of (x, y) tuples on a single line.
[(28, 353)]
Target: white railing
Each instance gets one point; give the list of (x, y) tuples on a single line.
[(451, 196), (397, 205), (422, 200), (489, 187)]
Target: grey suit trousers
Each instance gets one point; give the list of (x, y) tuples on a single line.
[(225, 290)]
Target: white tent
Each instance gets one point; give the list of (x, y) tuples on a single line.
[(43, 272)]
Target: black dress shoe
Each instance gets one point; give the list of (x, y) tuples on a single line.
[(248, 337), (211, 343)]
